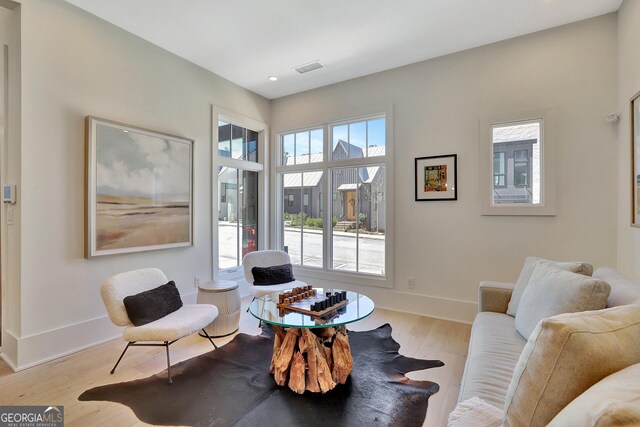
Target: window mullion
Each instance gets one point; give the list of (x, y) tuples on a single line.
[(302, 218), (357, 219), (327, 241), (238, 225)]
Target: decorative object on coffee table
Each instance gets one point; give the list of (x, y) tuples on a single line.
[(224, 294), (236, 379), (310, 351)]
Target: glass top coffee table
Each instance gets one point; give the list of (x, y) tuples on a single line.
[(311, 352)]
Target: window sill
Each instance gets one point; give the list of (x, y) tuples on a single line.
[(317, 276), (234, 273), (518, 210)]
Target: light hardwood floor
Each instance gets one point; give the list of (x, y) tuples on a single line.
[(61, 381)]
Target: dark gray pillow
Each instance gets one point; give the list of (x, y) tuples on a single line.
[(153, 304), (274, 275)]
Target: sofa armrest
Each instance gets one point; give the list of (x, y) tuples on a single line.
[(494, 296)]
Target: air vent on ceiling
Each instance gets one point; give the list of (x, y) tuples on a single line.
[(305, 68)]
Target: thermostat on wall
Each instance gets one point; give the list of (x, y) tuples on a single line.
[(9, 194)]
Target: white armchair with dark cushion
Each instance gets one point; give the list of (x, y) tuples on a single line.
[(269, 258), (180, 321)]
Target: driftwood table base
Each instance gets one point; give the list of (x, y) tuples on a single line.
[(311, 359)]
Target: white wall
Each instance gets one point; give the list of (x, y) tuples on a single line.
[(448, 246), (10, 173), (628, 85), (73, 65)]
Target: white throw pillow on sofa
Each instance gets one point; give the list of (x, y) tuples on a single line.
[(614, 401), (553, 291), (527, 270)]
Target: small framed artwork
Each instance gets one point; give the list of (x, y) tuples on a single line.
[(138, 189), (436, 178), (635, 160)]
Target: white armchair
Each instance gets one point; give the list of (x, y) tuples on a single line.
[(188, 319), (266, 259)]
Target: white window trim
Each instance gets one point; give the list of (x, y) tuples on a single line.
[(547, 207), (222, 114), (323, 275)]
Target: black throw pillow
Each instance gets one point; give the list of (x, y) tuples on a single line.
[(153, 304), (274, 275)]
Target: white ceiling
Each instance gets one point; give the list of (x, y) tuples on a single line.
[(246, 41)]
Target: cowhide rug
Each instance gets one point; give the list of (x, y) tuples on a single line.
[(232, 386)]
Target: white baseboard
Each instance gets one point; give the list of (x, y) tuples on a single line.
[(9, 349), (59, 342), (423, 305), (35, 349)]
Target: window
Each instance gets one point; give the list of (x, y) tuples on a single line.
[(516, 167), (521, 168), (237, 142), (517, 146), (237, 215), (342, 166), (238, 225), (302, 147), (499, 169)]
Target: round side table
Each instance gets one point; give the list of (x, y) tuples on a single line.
[(225, 295)]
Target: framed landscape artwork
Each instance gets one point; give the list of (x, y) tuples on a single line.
[(436, 178), (635, 160), (139, 189)]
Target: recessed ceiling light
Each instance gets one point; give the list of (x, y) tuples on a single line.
[(273, 78)]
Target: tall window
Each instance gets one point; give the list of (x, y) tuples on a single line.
[(238, 175), (517, 165), (341, 166)]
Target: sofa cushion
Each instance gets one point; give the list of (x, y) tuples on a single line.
[(614, 401), (494, 349), (623, 289), (567, 354), (154, 304), (553, 291), (527, 270)]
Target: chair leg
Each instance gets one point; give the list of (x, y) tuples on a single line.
[(121, 356), (166, 343), (207, 335), (249, 306)]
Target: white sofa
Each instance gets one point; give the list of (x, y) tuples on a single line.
[(496, 345)]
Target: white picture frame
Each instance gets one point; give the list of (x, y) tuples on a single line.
[(139, 194)]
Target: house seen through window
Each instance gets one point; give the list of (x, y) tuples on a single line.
[(517, 165)]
